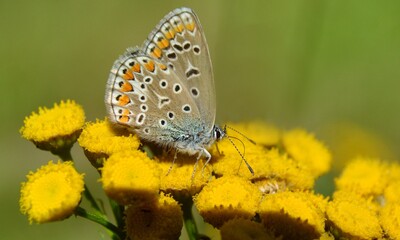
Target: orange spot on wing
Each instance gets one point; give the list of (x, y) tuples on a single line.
[(157, 53), (179, 28), (190, 26), (123, 100), (150, 66), (162, 66), (170, 34), (136, 67), (126, 87), (128, 75), (124, 119), (163, 43)]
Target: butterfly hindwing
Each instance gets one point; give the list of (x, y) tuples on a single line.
[(145, 95)]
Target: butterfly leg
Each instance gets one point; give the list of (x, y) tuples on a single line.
[(197, 162), (173, 161), (208, 156)]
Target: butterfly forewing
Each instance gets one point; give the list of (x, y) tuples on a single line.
[(147, 96), (178, 41)]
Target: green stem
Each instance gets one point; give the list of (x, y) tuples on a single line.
[(65, 155), (116, 233), (188, 219), (91, 199), (118, 211)]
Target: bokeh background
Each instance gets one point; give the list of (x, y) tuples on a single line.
[(331, 67)]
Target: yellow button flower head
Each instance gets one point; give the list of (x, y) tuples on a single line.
[(179, 180), (390, 220), (260, 132), (51, 193), (244, 229), (282, 171), (226, 198), (367, 177), (392, 192), (130, 177), (293, 215), (229, 162), (303, 147), (54, 129), (353, 216), (160, 220), (100, 140)]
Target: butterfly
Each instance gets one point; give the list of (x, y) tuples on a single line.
[(164, 91)]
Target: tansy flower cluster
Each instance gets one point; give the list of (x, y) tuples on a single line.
[(151, 198)]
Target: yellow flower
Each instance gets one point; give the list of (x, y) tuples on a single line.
[(303, 147), (180, 180), (226, 198), (390, 220), (230, 162), (160, 220), (244, 229), (283, 172), (367, 177), (353, 216), (294, 215), (272, 170), (260, 132), (130, 177), (100, 140), (51, 193), (392, 192), (54, 129)]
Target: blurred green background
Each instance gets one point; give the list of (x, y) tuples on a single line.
[(311, 64)]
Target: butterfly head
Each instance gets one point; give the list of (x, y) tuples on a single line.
[(218, 133)]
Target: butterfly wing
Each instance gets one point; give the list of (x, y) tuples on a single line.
[(145, 95), (179, 41)]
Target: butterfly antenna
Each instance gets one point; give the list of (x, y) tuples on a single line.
[(241, 155), (241, 134)]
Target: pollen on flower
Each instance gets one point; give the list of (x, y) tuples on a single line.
[(390, 220), (304, 148), (367, 177), (51, 193), (229, 162), (54, 128), (244, 229), (179, 180), (284, 171), (392, 192), (100, 140), (353, 216), (131, 177), (272, 170), (162, 219), (226, 198), (294, 215)]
